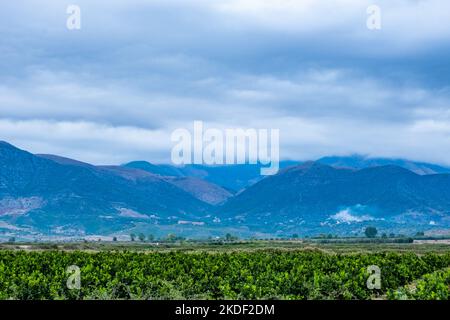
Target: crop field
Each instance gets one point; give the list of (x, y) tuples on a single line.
[(286, 270)]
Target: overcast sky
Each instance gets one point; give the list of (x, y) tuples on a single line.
[(114, 90)]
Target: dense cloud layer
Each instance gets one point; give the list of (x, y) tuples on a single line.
[(114, 90)]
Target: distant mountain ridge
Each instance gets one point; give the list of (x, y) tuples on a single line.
[(361, 162), (73, 197), (313, 193), (231, 177), (52, 195), (238, 177)]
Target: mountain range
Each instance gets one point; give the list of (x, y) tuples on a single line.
[(316, 196), (361, 162), (52, 196)]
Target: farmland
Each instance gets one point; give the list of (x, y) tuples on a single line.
[(252, 270)]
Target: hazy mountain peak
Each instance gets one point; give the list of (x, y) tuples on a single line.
[(307, 166), (63, 160), (357, 161), (163, 170), (5, 144)]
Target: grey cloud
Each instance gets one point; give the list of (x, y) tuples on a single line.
[(140, 68)]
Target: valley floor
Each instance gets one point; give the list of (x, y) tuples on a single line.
[(336, 246)]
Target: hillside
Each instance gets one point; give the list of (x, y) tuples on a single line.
[(313, 196), (42, 195)]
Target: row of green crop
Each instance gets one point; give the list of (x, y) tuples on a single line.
[(433, 286), (231, 275)]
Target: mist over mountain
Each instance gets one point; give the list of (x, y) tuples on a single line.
[(49, 195)]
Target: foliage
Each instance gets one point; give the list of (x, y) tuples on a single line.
[(371, 232), (433, 286), (307, 274), (230, 237)]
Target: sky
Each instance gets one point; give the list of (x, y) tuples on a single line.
[(114, 90)]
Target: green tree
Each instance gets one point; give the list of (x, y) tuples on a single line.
[(171, 237), (371, 232), (141, 237), (384, 235), (295, 236), (133, 236), (151, 238), (230, 237), (114, 239)]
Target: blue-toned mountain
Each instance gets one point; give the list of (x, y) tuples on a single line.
[(49, 194), (54, 194), (313, 196), (361, 162)]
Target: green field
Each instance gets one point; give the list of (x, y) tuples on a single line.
[(239, 270)]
